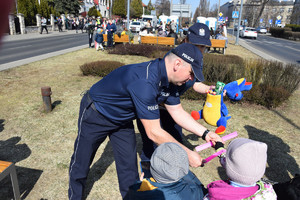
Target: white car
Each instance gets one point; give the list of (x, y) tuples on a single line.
[(136, 26), (236, 27), (261, 30), (248, 32)]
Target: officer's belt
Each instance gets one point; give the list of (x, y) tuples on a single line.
[(91, 102)]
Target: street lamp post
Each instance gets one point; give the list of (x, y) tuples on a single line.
[(218, 11), (238, 28), (17, 6), (128, 9)]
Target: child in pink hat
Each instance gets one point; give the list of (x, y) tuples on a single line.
[(245, 164)]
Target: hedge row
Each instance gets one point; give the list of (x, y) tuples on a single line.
[(150, 51), (285, 33), (273, 83), (294, 27)]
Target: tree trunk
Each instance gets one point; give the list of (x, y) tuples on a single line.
[(260, 12)]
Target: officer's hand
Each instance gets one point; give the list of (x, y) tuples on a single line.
[(213, 137), (224, 93), (142, 176), (195, 159)]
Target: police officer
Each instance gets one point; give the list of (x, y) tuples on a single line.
[(130, 92), (198, 35)]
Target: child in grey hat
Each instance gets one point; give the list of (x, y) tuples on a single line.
[(172, 179), (245, 164)]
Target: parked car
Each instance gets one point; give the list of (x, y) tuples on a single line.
[(236, 27), (136, 26), (248, 32), (261, 30)]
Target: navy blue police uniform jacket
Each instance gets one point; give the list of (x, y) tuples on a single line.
[(134, 91)]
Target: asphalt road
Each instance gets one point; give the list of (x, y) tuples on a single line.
[(15, 51), (287, 51)]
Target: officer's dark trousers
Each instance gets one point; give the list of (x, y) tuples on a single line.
[(168, 124), (110, 39), (93, 128)]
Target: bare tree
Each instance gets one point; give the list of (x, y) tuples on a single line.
[(262, 7), (196, 14), (213, 12), (204, 8), (295, 17), (162, 6)]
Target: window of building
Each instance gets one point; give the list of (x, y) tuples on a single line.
[(290, 10), (281, 10), (274, 9)]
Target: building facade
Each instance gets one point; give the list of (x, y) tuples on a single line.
[(101, 5), (295, 19), (274, 13)]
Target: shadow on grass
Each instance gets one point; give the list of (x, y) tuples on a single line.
[(99, 168), (286, 119), (279, 161), (11, 151), (27, 178), (56, 103)]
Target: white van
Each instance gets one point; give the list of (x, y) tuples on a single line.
[(153, 20)]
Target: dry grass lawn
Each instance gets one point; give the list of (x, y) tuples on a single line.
[(41, 144)]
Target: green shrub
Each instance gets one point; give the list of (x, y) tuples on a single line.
[(266, 95), (287, 29), (224, 68), (288, 34), (296, 35), (150, 51), (294, 27), (276, 32), (100, 68), (254, 70), (276, 84)]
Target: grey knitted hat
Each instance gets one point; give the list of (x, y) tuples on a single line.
[(246, 161), (169, 163)]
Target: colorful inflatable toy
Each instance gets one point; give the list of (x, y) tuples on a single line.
[(214, 111)]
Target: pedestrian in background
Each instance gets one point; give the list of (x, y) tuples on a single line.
[(44, 25), (90, 30), (59, 24), (111, 28)]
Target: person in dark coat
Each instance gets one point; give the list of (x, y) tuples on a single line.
[(90, 30), (111, 28)]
